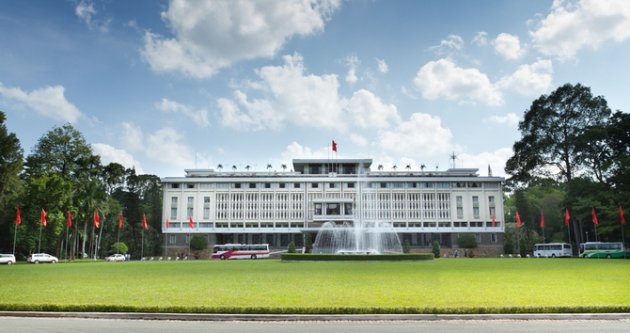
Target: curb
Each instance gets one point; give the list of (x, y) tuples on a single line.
[(295, 318)]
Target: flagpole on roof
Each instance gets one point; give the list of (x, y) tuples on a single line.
[(18, 221)]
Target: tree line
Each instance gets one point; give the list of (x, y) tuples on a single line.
[(65, 179), (571, 168)]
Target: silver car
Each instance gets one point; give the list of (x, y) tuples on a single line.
[(116, 257), (8, 259), (36, 258)]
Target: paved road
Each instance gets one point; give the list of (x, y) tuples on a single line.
[(70, 325)]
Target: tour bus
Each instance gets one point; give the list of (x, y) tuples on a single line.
[(240, 251), (553, 250), (603, 250)]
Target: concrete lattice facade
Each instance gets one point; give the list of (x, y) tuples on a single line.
[(279, 207)]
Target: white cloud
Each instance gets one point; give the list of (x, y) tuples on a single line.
[(382, 66), (352, 62), (257, 115), (573, 25), (86, 12), (508, 46), (110, 154), (480, 39), (529, 80), (510, 119), (358, 140), (496, 160), (450, 44), (199, 116), (422, 134), (210, 35), (291, 96), (444, 79), (165, 147), (368, 111), (131, 137), (48, 101)]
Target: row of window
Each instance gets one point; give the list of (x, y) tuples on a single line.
[(258, 225), (374, 184)]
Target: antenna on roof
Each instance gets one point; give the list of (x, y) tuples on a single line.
[(453, 158)]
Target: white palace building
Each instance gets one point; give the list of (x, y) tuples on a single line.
[(280, 207)]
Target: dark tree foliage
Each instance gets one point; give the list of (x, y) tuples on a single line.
[(11, 160), (555, 134)]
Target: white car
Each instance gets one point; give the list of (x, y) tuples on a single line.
[(36, 258), (8, 259), (116, 257)]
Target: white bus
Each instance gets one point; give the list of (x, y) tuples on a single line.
[(240, 251), (553, 250)]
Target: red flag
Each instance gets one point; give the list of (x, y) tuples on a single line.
[(97, 220), (145, 226), (42, 217), (622, 218), (494, 220), (191, 223), (120, 221), (334, 146), (567, 217), (18, 217), (594, 216), (518, 220), (69, 219), (168, 223), (542, 220)]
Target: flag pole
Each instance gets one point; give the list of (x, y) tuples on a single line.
[(142, 246), (15, 237), (39, 246)]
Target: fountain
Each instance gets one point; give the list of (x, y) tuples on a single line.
[(360, 235)]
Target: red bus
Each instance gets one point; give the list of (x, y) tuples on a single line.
[(240, 251)]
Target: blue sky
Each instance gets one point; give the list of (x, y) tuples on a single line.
[(169, 85)]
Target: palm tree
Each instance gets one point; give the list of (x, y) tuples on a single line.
[(408, 167), (234, 168), (220, 167), (422, 166), (247, 167), (269, 167), (284, 167), (380, 167), (394, 167)]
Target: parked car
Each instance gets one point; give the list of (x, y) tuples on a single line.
[(116, 257), (36, 258), (8, 259)]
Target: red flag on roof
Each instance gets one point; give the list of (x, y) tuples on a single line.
[(622, 218), (567, 217), (518, 220), (18, 216), (120, 221), (542, 220), (145, 226), (168, 223), (494, 220), (42, 217), (334, 146), (69, 219), (191, 223), (97, 220), (594, 216)]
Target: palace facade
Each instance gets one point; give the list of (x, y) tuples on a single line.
[(280, 207)]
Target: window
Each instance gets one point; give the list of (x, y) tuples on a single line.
[(460, 206), (493, 238), (332, 209), (174, 185), (347, 208), (296, 185), (190, 206), (331, 185), (475, 200), (491, 206), (318, 209), (237, 185), (173, 208), (383, 185), (350, 185), (314, 185), (206, 208), (282, 185), (172, 239), (267, 185), (190, 185), (252, 185)]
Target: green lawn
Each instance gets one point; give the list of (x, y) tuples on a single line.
[(439, 286)]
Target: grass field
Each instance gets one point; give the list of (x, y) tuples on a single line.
[(271, 286)]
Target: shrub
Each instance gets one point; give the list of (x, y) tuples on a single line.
[(436, 249), (291, 248), (355, 257), (467, 241), (308, 243), (120, 247), (406, 247), (198, 243)]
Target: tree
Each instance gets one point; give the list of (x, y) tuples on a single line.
[(467, 241), (554, 134), (436, 249), (11, 160), (119, 247)]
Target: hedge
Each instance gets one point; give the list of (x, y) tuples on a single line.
[(355, 257)]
